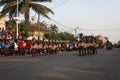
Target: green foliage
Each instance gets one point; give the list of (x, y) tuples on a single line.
[(119, 42), (23, 28), (44, 24), (107, 38), (55, 35), (10, 25), (66, 36), (51, 35), (53, 28), (60, 36), (10, 7)]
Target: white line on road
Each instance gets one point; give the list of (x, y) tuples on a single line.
[(82, 71), (11, 66)]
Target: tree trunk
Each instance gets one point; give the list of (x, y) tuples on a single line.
[(38, 24), (38, 17), (27, 16)]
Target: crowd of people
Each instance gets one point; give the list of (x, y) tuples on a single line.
[(87, 46), (20, 47)]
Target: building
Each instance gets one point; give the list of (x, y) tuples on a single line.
[(36, 30), (2, 24), (100, 37)]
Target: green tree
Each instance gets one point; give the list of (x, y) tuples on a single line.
[(66, 36), (46, 35), (107, 38), (119, 42), (10, 7), (23, 28), (43, 23), (10, 25), (53, 28), (60, 36), (51, 35)]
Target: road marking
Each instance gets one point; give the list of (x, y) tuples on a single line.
[(83, 71), (15, 60), (55, 75), (11, 66)]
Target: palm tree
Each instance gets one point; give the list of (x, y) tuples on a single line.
[(24, 8), (53, 28)]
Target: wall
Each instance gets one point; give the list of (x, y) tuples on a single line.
[(2, 23)]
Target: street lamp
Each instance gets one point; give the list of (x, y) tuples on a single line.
[(76, 31), (17, 19)]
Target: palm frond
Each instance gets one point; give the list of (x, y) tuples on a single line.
[(24, 7), (9, 5), (12, 12), (41, 8), (4, 2), (10, 8), (3, 13), (41, 0)]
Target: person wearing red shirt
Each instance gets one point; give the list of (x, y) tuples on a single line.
[(27, 47), (20, 47)]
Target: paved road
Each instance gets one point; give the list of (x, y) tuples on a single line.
[(64, 66)]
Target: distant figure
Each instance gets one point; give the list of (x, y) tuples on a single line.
[(109, 45)]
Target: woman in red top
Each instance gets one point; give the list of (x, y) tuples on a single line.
[(20, 47), (27, 47)]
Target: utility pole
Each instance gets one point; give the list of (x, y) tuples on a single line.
[(38, 24), (17, 19), (76, 31), (17, 22)]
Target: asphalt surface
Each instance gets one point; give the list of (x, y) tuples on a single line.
[(64, 66)]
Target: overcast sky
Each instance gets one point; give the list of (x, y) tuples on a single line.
[(98, 17)]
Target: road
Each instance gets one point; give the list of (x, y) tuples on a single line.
[(64, 66)]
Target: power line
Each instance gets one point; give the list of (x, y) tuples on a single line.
[(84, 28), (64, 26), (98, 29), (59, 23), (68, 29), (56, 4), (60, 4)]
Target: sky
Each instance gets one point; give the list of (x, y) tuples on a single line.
[(97, 17)]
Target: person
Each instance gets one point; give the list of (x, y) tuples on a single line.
[(3, 49), (15, 47), (27, 47), (81, 48), (2, 43), (20, 47), (40, 48), (34, 47)]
